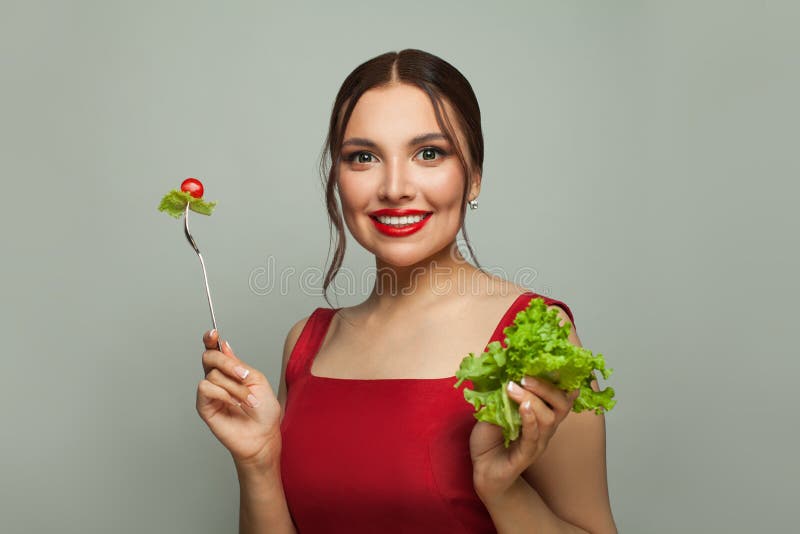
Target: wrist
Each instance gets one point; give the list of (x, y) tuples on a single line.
[(253, 468), (492, 493), (268, 458)]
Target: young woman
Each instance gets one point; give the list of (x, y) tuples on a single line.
[(367, 432)]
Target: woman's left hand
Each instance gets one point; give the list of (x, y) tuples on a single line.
[(542, 408)]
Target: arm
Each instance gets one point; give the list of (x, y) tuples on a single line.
[(522, 509), (262, 502), (565, 488), (571, 473)]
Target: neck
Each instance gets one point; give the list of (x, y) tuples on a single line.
[(445, 274)]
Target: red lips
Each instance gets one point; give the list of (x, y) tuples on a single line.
[(393, 231), (388, 212)]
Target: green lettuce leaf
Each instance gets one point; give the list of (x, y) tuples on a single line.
[(536, 345), (174, 203)]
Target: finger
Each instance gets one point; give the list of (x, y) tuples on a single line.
[(544, 414), (223, 346), (226, 349), (216, 344), (557, 398), (530, 424), (207, 392), (230, 366), (210, 339), (529, 445), (234, 388)]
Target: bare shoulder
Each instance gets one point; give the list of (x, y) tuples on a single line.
[(490, 301), (288, 347), (293, 336), (493, 285), (500, 289)]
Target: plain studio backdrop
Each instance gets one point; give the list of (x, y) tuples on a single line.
[(641, 165)]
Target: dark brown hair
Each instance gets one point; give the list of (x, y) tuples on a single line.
[(442, 82)]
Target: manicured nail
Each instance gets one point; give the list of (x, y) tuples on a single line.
[(514, 388), (252, 401), (528, 381), (526, 406), (211, 334), (241, 371)]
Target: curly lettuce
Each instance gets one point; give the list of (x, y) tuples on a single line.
[(536, 345), (174, 204)]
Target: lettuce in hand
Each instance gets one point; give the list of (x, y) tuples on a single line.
[(536, 345)]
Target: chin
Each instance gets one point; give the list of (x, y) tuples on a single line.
[(402, 258)]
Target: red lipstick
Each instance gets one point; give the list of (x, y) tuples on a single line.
[(399, 230)]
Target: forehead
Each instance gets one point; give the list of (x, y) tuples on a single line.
[(397, 111)]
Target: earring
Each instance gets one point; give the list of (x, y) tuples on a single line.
[(473, 204)]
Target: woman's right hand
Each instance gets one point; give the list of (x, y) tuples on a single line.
[(243, 413)]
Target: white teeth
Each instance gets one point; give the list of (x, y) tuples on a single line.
[(395, 221)]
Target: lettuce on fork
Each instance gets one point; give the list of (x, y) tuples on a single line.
[(536, 345), (174, 204)]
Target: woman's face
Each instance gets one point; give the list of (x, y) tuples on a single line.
[(395, 157)]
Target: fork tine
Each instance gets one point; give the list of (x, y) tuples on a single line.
[(186, 229), (203, 265)]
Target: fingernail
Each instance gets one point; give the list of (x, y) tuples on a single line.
[(252, 401), (514, 388), (211, 334), (528, 381), (526, 405), (241, 371)]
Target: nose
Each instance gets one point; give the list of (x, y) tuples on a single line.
[(397, 184)]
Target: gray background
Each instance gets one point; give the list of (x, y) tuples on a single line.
[(641, 161)]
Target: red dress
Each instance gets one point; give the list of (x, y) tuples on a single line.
[(382, 455)]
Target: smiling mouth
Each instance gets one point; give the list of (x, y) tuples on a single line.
[(400, 222)]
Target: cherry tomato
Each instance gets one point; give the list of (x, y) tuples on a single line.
[(193, 186)]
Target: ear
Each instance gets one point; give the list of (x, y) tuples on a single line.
[(475, 186)]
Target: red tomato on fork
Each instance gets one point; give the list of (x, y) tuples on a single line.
[(193, 186)]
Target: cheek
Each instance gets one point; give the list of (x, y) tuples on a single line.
[(349, 191), (354, 197), (446, 187)]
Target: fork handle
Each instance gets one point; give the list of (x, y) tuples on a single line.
[(203, 265), (208, 295)]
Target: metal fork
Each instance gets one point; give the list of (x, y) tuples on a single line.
[(205, 276)]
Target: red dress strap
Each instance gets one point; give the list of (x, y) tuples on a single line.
[(308, 343), (517, 306)]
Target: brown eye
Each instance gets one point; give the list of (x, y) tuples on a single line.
[(430, 153), (359, 157)]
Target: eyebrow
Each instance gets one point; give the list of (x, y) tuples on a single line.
[(424, 138)]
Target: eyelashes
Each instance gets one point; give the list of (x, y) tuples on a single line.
[(353, 156), (437, 150)]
